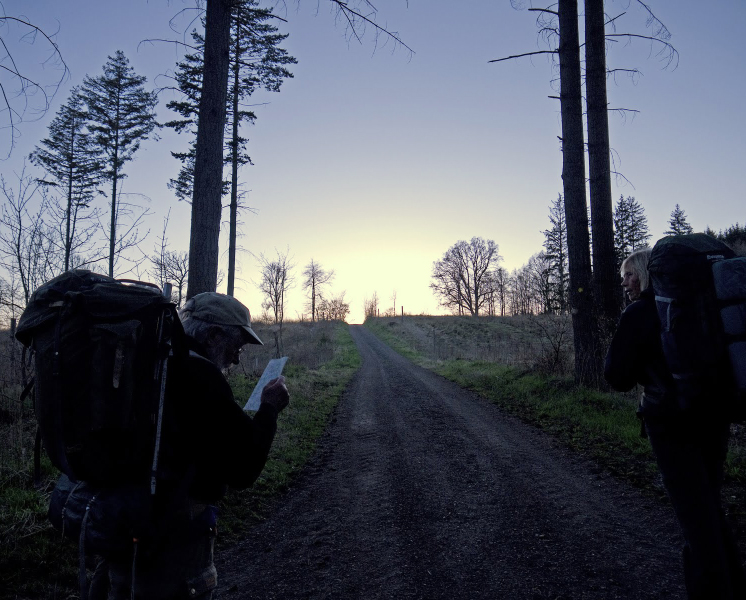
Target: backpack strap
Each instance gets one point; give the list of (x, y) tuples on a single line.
[(668, 301)]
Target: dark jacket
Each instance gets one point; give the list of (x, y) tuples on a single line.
[(208, 435), (636, 356)]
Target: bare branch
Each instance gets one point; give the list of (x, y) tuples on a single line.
[(611, 21), (544, 10), (660, 31), (176, 42), (525, 54), (15, 101), (668, 53), (624, 110), (356, 19), (619, 176)]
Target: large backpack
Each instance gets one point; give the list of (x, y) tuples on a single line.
[(101, 348), (700, 294), (101, 351)]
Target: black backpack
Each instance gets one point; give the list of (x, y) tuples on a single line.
[(101, 354), (101, 348), (700, 294)]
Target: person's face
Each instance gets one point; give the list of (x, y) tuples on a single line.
[(226, 345), (631, 284)]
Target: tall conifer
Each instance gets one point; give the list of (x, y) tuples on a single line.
[(121, 116), (256, 61), (677, 224), (630, 228), (72, 163), (555, 245)]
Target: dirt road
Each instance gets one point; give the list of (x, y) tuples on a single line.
[(423, 490)]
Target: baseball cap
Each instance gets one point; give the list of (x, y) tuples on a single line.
[(220, 309)]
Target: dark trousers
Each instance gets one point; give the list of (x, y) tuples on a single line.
[(691, 453), (176, 572)]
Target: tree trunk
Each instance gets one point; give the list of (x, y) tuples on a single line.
[(602, 220), (313, 300), (234, 173), (68, 216), (113, 225), (208, 161), (587, 368), (114, 182)]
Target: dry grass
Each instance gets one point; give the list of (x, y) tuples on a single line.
[(305, 344), (542, 343)]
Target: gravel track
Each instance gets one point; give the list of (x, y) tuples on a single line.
[(421, 489)]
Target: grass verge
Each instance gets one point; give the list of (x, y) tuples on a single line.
[(313, 396)]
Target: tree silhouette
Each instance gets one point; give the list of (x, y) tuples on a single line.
[(555, 246), (559, 28), (275, 281), (599, 163), (206, 205), (73, 164), (630, 228), (256, 61), (121, 114), (677, 224), (461, 277), (25, 248), (314, 278)]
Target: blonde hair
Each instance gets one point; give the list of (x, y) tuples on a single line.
[(637, 262)]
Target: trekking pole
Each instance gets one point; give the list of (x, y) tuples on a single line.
[(161, 378)]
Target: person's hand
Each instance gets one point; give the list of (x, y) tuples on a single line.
[(275, 393)]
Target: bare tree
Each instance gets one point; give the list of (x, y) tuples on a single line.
[(520, 292), (25, 249), (565, 29), (599, 151), (275, 281), (333, 308), (460, 278), (315, 277), (370, 306), (169, 266), (79, 245), (501, 283)]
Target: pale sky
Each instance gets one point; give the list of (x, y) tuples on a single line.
[(374, 161)]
